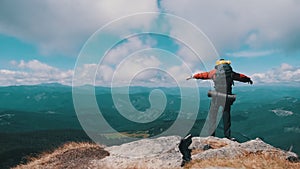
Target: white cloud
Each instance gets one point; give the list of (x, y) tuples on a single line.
[(85, 75), (135, 68), (104, 73), (286, 67), (231, 24), (117, 54), (36, 65), (140, 69), (133, 62), (251, 53), (64, 26), (129, 63), (286, 74), (34, 72), (179, 73), (196, 62), (195, 48)]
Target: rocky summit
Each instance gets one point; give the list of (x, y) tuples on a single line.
[(163, 152)]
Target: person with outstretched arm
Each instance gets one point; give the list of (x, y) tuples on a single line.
[(223, 77)]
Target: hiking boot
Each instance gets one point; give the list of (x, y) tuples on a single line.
[(184, 162)]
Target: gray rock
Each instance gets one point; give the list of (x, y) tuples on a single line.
[(147, 153), (163, 152), (234, 149)]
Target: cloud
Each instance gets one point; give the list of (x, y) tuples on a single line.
[(135, 62), (137, 70), (126, 48), (34, 72), (85, 74), (131, 62), (123, 63), (285, 74), (35, 65), (251, 53), (271, 24), (64, 26)]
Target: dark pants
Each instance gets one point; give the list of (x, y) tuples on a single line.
[(184, 148), (216, 103)]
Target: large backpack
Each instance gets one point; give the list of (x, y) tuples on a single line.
[(223, 78)]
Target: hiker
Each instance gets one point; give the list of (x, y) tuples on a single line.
[(223, 77)]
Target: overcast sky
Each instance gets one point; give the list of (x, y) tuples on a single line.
[(40, 41)]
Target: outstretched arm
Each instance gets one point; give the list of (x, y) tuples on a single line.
[(242, 78), (203, 75)]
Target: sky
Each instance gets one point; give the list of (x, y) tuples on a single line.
[(68, 41)]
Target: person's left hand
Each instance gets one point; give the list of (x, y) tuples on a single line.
[(190, 77), (250, 81)]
